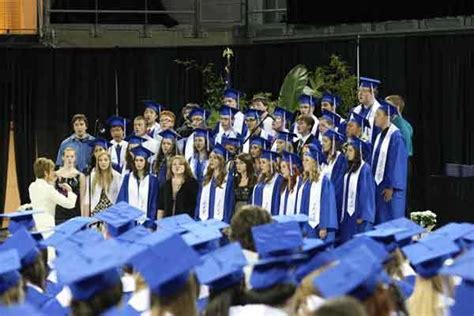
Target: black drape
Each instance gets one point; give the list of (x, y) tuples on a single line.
[(433, 72), (4, 127)]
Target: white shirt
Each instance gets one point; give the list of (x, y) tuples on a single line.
[(45, 197), (113, 152), (112, 192)]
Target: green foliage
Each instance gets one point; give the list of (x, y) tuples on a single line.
[(292, 86), (336, 78)]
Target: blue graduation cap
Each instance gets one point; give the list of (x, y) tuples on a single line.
[(271, 271), (253, 114), (119, 121), (315, 262), (9, 266), (386, 236), (286, 115), (286, 136), (175, 223), (359, 119), (133, 235), (141, 151), (332, 117), (376, 248), (202, 238), (292, 159), (463, 300), (289, 240), (366, 82), (20, 219), (201, 132), (66, 229), (135, 140), (360, 144), (20, 309), (427, 256), (310, 245), (220, 150), (231, 141), (409, 227), (259, 141), (201, 112), (77, 241), (454, 231), (335, 136), (170, 134), (149, 104), (269, 155), (212, 222), (99, 142), (357, 275), (334, 100), (232, 93), (307, 99), (299, 218), (174, 257), (388, 108), (227, 111), (119, 218), (315, 153), (222, 268), (26, 246)]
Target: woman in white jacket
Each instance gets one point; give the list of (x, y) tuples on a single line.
[(45, 197), (102, 186)]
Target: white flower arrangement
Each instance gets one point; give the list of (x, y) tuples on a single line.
[(426, 219)]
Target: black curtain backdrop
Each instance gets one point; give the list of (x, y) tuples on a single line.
[(4, 128), (433, 73)]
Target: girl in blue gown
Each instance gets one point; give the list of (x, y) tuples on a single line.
[(316, 198), (200, 157), (290, 167), (358, 205), (168, 149)]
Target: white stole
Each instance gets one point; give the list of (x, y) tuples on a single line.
[(219, 201), (204, 202), (290, 201), (267, 193), (314, 205), (380, 170), (138, 194), (327, 168), (352, 194), (113, 152), (189, 147)]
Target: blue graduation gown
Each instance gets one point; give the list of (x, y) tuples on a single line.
[(198, 167), (257, 194), (153, 190), (229, 199), (364, 205), (375, 130), (328, 211), (337, 179), (395, 176), (47, 304)]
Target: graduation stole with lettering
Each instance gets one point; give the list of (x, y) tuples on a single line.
[(310, 195), (138, 193), (380, 170), (213, 199), (350, 191)]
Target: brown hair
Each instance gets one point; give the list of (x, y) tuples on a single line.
[(79, 117), (222, 172), (169, 114), (35, 272), (139, 118), (188, 173), (290, 184), (181, 303), (42, 166), (104, 178), (265, 178), (99, 302), (248, 161), (313, 175), (14, 295), (308, 119), (396, 100), (341, 306), (243, 221), (380, 303)]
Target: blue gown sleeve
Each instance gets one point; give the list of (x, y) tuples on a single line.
[(229, 199), (337, 178), (328, 206), (276, 196), (366, 195), (396, 165), (198, 202), (123, 193), (153, 192)]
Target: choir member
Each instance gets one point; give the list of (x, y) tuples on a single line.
[(133, 141), (257, 145), (267, 191), (358, 206), (216, 197), (225, 128), (336, 163), (199, 159), (79, 142), (290, 167), (389, 166), (260, 103), (11, 283), (245, 180), (151, 114), (356, 124), (283, 119), (139, 129), (307, 103), (99, 146), (199, 118), (305, 124), (140, 188), (367, 94), (178, 194), (316, 198), (283, 142), (328, 120), (254, 128), (102, 186), (118, 150), (231, 98), (168, 149)]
